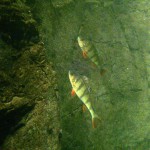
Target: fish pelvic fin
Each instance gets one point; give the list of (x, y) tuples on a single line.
[(84, 53), (73, 92), (95, 120), (84, 108)]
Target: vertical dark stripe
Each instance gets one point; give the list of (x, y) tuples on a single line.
[(80, 86), (84, 93)]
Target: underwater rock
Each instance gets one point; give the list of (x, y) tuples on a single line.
[(17, 25), (28, 101)]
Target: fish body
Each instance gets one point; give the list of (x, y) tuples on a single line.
[(89, 50), (79, 87)]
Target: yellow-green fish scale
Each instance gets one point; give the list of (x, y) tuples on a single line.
[(94, 58), (81, 91), (77, 84), (89, 106), (92, 54), (86, 48)]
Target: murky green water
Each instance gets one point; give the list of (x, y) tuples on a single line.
[(120, 32)]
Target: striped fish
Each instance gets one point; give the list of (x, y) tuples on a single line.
[(79, 87), (88, 50)]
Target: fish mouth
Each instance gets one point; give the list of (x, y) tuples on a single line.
[(80, 38), (69, 72)]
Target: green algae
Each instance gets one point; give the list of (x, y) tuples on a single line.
[(28, 100)]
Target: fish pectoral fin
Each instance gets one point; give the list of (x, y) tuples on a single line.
[(84, 53), (73, 92), (84, 108)]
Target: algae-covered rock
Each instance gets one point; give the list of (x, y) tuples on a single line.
[(17, 25), (28, 97)]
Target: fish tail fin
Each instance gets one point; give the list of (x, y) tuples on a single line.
[(95, 120)]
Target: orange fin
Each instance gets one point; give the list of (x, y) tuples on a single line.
[(83, 108), (72, 92), (84, 53), (95, 121)]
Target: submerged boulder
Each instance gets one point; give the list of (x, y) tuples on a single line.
[(28, 101)]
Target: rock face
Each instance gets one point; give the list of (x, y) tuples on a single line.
[(28, 102), (118, 30), (17, 24)]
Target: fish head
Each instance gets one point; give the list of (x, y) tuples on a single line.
[(80, 38), (81, 41), (84, 43), (72, 77)]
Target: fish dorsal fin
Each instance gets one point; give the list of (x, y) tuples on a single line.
[(86, 79), (87, 83)]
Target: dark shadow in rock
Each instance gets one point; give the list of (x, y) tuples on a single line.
[(11, 120)]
